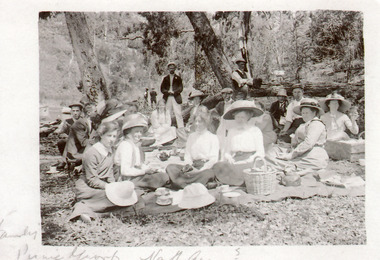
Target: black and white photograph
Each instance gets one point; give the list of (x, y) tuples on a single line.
[(175, 131), (215, 129)]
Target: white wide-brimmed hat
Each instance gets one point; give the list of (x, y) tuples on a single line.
[(166, 137), (344, 104), (114, 114), (121, 193), (134, 120), (242, 105), (308, 102), (195, 196)]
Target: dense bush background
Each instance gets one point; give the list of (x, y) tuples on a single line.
[(311, 47)]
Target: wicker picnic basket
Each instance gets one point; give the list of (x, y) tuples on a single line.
[(260, 181)]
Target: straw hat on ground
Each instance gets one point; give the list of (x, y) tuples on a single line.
[(344, 104), (308, 102), (242, 105), (166, 137), (134, 120), (195, 196), (196, 93), (121, 193)]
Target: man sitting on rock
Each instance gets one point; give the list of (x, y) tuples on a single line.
[(64, 129)]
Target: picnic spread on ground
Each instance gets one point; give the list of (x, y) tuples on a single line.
[(202, 162)]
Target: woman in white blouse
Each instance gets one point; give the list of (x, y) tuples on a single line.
[(243, 144), (201, 153), (336, 120), (307, 150), (161, 124), (129, 158)]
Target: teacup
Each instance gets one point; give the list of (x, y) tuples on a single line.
[(161, 191), (224, 188)]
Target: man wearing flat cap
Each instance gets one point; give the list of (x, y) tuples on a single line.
[(241, 80), (171, 88)]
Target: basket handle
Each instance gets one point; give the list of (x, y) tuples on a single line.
[(257, 158)]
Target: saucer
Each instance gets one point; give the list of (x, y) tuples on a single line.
[(164, 203), (232, 194)]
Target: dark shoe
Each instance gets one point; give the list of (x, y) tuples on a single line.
[(61, 166)]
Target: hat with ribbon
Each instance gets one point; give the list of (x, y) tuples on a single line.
[(344, 104), (121, 193), (242, 105), (134, 120), (195, 196), (308, 102)]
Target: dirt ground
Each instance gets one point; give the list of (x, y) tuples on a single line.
[(333, 220)]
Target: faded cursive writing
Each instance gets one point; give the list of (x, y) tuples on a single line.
[(157, 255)]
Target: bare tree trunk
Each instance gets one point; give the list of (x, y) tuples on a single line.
[(94, 84), (212, 46)]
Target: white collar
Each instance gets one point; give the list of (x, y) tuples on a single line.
[(101, 149)]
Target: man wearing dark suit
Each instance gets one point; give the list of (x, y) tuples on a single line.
[(171, 88), (79, 136), (278, 108), (218, 111), (64, 127)]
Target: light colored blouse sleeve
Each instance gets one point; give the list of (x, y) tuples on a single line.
[(259, 142), (353, 127), (313, 132), (227, 145), (124, 153), (188, 157), (214, 152)]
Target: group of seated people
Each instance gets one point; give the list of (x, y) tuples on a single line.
[(221, 144)]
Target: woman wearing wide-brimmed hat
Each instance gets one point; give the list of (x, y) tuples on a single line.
[(161, 124), (195, 99), (336, 120), (98, 172), (201, 153), (243, 143), (129, 157), (308, 143)]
